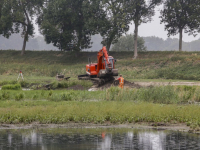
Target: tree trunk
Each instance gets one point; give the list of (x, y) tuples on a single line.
[(24, 43), (135, 40), (180, 39), (108, 46)]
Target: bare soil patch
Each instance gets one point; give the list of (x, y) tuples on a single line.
[(76, 87), (126, 84)]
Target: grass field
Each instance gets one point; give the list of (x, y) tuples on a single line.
[(97, 112), (153, 104), (149, 65)]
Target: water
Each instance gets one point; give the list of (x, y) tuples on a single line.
[(97, 139)]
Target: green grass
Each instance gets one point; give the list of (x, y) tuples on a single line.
[(159, 94), (97, 112), (42, 65), (11, 87), (152, 104)]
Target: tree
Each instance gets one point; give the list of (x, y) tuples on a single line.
[(140, 11), (179, 16), (70, 22), (17, 16), (115, 23), (125, 43)]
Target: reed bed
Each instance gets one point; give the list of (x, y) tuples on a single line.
[(159, 94)]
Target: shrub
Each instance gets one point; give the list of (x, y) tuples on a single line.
[(19, 96), (5, 95), (35, 96), (24, 84), (8, 82), (11, 87), (68, 96)]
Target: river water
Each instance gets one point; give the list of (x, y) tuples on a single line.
[(96, 139)]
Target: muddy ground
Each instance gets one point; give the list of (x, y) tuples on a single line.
[(172, 127), (137, 85)]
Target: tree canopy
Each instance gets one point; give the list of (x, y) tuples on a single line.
[(125, 43), (140, 11), (71, 22), (17, 16), (179, 16), (116, 22)]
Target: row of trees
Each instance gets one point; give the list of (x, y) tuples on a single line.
[(64, 22)]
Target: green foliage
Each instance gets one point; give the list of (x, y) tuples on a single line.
[(24, 84), (125, 43), (97, 112), (112, 93), (19, 96), (7, 82), (68, 96), (72, 26), (161, 94), (140, 11), (11, 87), (5, 95), (179, 15), (115, 22), (17, 16)]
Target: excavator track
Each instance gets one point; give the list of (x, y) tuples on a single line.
[(97, 81), (83, 77)]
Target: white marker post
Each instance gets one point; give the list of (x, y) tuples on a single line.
[(20, 74)]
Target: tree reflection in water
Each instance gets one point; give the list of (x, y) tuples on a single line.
[(88, 140)]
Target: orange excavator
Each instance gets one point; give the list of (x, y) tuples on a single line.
[(102, 71)]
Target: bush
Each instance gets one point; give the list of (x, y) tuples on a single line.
[(68, 96), (24, 84), (35, 96), (19, 96), (11, 87), (5, 95), (8, 82)]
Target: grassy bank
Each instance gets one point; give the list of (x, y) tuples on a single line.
[(169, 104), (149, 65), (97, 112)]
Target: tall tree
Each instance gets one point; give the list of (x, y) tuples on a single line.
[(140, 11), (116, 22), (17, 16), (67, 22), (179, 16)]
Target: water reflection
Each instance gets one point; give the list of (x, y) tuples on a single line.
[(93, 139)]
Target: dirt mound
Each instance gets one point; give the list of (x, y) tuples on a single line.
[(126, 84), (76, 87), (131, 84)]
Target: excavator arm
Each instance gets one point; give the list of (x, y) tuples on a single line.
[(105, 54)]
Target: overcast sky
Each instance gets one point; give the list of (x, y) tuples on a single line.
[(153, 28)]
